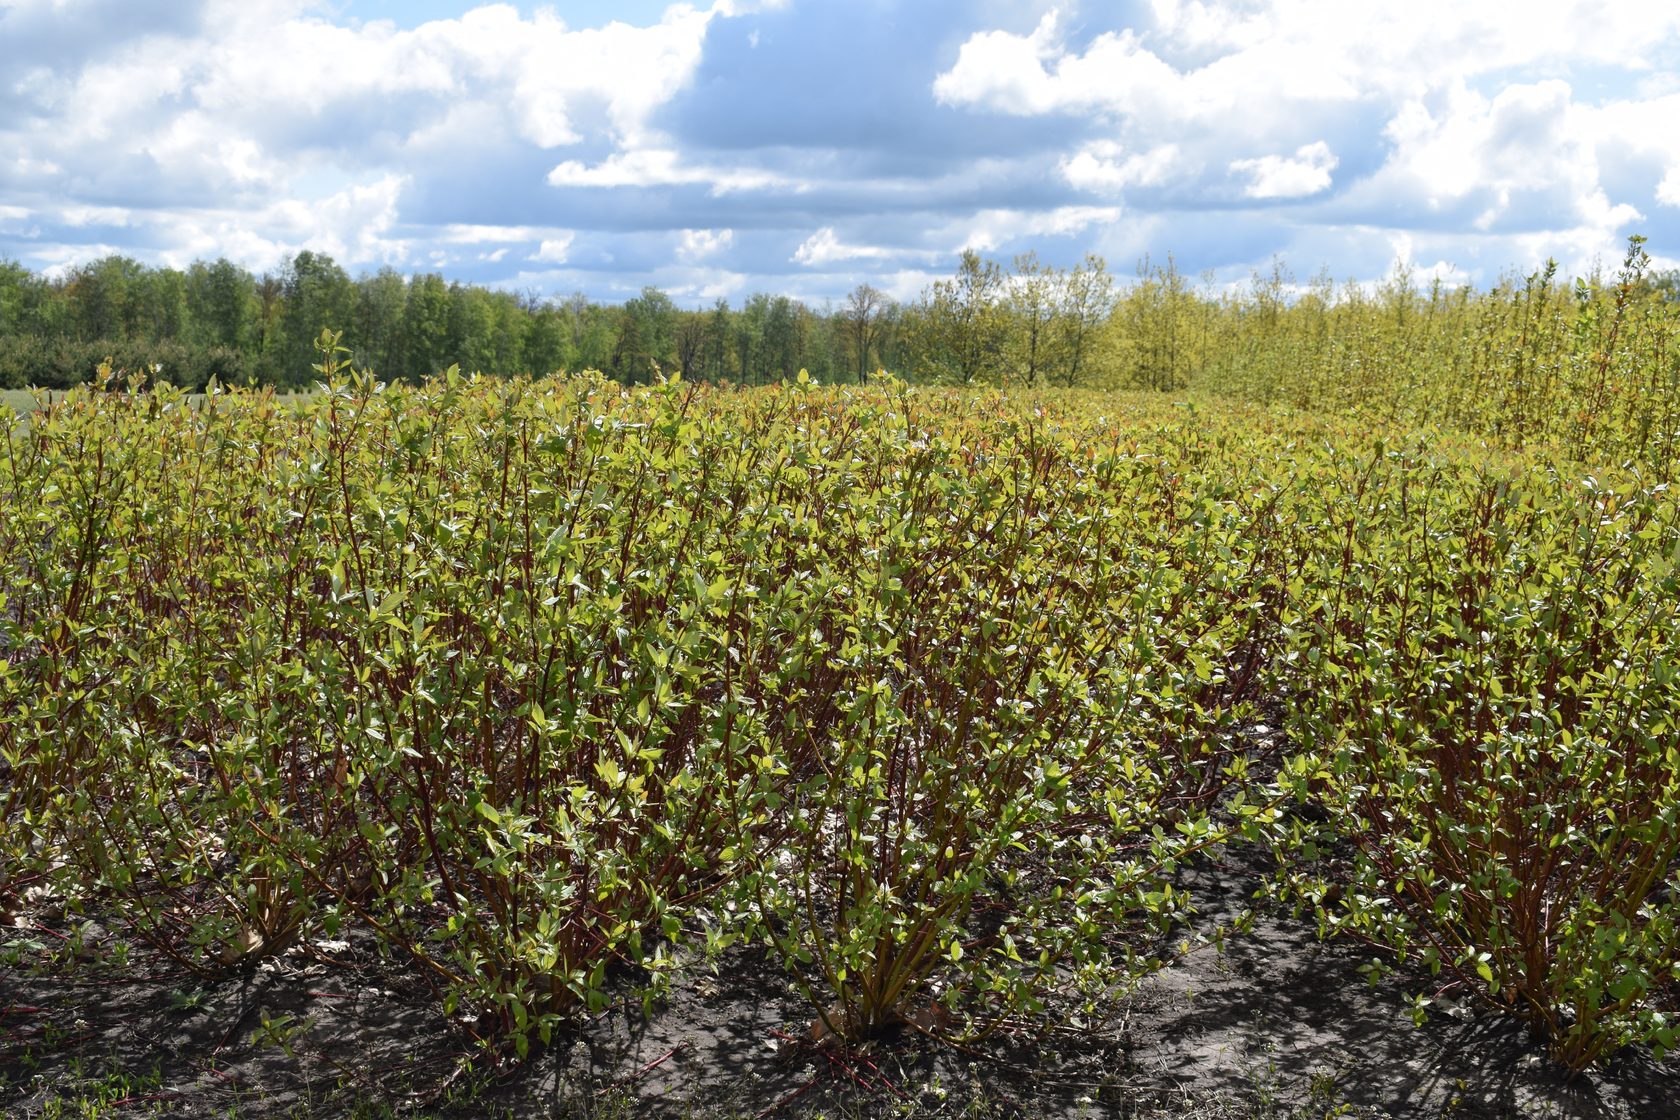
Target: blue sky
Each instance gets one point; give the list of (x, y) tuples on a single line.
[(731, 146)]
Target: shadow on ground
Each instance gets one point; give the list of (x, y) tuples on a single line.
[(1276, 1025)]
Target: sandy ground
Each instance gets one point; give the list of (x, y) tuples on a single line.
[(1275, 1025)]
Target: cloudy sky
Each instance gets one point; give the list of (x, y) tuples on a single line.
[(804, 146)]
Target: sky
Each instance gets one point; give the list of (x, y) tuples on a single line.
[(803, 147)]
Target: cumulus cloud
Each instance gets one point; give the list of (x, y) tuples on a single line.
[(825, 247), (554, 250), (457, 233), (1376, 118), (350, 224), (1104, 167), (990, 230), (661, 167), (542, 74), (1266, 55), (906, 284), (259, 127), (1307, 172), (1668, 191), (1526, 158), (725, 146), (695, 245)]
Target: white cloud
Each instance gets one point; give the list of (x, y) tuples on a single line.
[(541, 72), (825, 247), (353, 223), (1190, 96), (15, 222), (990, 229), (1119, 75), (349, 224), (1308, 172), (57, 261), (694, 245), (662, 167), (1268, 55), (705, 284), (906, 284), (1529, 155), (27, 167), (1668, 191), (254, 128), (78, 216), (457, 233), (112, 99), (1099, 167), (554, 250), (194, 143), (1405, 258), (260, 127), (1194, 23), (1005, 71)]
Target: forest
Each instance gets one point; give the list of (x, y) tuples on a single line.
[(218, 320)]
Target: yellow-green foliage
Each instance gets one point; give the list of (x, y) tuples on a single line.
[(1482, 672), (930, 692), (530, 677), (1589, 370)]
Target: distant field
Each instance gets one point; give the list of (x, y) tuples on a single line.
[(19, 400)]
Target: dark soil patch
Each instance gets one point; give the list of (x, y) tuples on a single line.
[(1274, 1025)]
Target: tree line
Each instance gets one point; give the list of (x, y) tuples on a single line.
[(219, 320), (1027, 323)]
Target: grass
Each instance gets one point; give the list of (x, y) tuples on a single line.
[(21, 401)]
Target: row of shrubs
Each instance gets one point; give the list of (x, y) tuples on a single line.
[(559, 687)]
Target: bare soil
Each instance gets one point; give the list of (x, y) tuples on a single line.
[(1274, 1024)]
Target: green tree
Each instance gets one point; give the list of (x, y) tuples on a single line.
[(1034, 300), (271, 306), (651, 335), (1086, 304), (691, 343), (784, 338), (749, 337), (472, 330), (962, 326), (865, 308), (425, 326), (318, 295), (104, 298), (381, 300), (547, 344), (221, 305), (717, 348), (22, 294), (1157, 319), (161, 304)]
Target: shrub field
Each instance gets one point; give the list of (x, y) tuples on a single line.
[(558, 690)]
